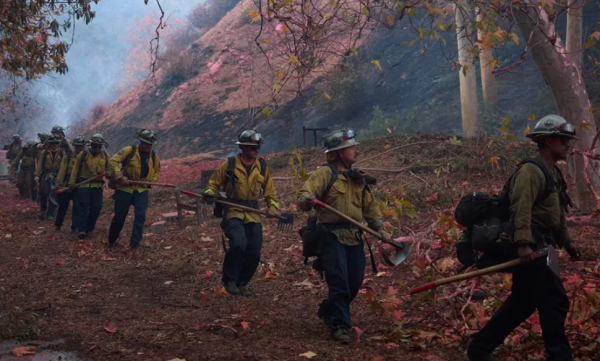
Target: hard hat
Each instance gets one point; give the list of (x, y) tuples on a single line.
[(147, 136), (552, 125), (30, 142), (339, 139), (80, 140), (57, 129), (43, 136), (53, 139), (250, 137), (16, 136), (98, 139)]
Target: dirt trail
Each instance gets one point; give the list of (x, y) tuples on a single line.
[(166, 301)]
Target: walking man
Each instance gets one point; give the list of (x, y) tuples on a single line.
[(13, 150), (45, 176), (243, 178), (88, 197), (535, 286), (341, 243), (26, 158), (133, 163), (64, 176)]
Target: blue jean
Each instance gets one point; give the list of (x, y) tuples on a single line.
[(243, 256), (46, 186), (123, 201), (63, 206), (344, 268), (88, 204)]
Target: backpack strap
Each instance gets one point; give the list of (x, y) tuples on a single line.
[(128, 160), (230, 175), (68, 161), (550, 186), (332, 179), (81, 160), (263, 166)]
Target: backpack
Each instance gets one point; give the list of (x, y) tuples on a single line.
[(44, 157), (112, 181), (487, 221), (83, 156), (219, 209), (312, 234)]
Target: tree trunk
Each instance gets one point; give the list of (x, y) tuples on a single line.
[(488, 82), (575, 31), (468, 80), (563, 77)]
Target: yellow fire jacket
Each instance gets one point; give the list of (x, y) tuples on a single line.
[(133, 170), (247, 188), (90, 167), (27, 158), (49, 164), (66, 169), (354, 200)]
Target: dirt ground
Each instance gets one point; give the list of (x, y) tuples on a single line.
[(166, 302)]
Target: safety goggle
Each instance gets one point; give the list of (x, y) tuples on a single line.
[(348, 134), (251, 135), (567, 128)]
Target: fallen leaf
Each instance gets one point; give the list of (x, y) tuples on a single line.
[(87, 285), (220, 290), (494, 160), (245, 325), (377, 65), (432, 199), (37, 232), (305, 284), (167, 247), (168, 282), (206, 239), (23, 351), (111, 328), (359, 332), (391, 345), (380, 274), (378, 358), (60, 262), (107, 258), (207, 274), (182, 359), (271, 276), (8, 236), (308, 354)]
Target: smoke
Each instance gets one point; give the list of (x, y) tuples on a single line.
[(96, 60)]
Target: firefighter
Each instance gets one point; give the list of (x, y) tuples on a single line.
[(342, 256), (88, 197), (133, 163), (12, 150), (59, 132), (45, 176), (536, 286), (26, 158), (64, 176), (243, 177)]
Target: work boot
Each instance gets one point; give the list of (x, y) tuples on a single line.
[(341, 335), (81, 235), (42, 215), (90, 235), (231, 288), (50, 217), (57, 228), (323, 313), (244, 291)]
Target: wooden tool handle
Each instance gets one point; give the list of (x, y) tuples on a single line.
[(244, 208), (466, 276), (358, 224), (141, 183), (89, 180)]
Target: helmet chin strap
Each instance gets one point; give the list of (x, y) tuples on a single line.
[(342, 160)]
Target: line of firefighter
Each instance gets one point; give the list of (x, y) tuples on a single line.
[(54, 163), (341, 254)]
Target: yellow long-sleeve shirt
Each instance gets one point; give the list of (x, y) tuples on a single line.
[(66, 169), (49, 163), (353, 199), (133, 170), (247, 188), (27, 158), (90, 167)]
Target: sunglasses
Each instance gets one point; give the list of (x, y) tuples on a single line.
[(96, 146)]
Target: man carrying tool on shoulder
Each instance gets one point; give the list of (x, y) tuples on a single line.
[(535, 285), (133, 163), (89, 166), (45, 176), (243, 178), (26, 158), (64, 176), (342, 251)]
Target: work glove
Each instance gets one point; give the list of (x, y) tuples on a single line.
[(123, 181), (525, 253), (210, 198), (272, 213), (37, 179), (310, 201), (573, 251)]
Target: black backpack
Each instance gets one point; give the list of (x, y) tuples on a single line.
[(219, 209), (112, 182), (487, 218), (312, 234)]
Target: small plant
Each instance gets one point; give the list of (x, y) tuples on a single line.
[(396, 206), (297, 165)]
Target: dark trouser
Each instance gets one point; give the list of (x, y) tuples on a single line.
[(46, 186), (243, 256), (123, 200), (534, 287), (87, 207), (63, 206), (344, 268), (25, 183)]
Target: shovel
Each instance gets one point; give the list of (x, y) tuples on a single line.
[(544, 252), (140, 183), (286, 220), (89, 180), (402, 250)]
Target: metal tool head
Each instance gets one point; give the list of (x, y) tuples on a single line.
[(286, 222), (396, 254)]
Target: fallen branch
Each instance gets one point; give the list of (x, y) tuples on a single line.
[(399, 170), (390, 150)]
